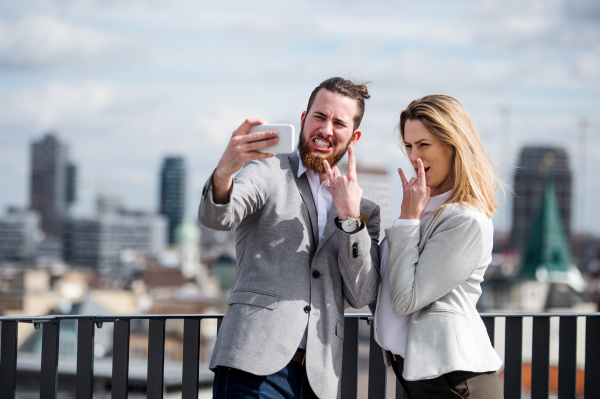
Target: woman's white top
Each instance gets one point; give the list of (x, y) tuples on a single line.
[(391, 330)]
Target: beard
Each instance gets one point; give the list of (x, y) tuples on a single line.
[(312, 161)]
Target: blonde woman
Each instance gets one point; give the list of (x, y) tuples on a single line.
[(434, 258)]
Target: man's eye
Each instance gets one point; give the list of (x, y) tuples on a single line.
[(408, 147), (424, 144)]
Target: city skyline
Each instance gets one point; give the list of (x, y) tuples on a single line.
[(125, 85)]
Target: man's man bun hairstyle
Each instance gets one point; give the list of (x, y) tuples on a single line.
[(348, 88)]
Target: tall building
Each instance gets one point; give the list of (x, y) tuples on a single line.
[(99, 242), (172, 193), (547, 255), (18, 233), (52, 184), (534, 164)]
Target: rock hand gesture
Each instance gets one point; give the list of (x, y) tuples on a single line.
[(345, 191)]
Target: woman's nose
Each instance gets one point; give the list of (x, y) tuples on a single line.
[(414, 155)]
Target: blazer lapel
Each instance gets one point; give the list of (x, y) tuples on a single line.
[(306, 194), (329, 227)]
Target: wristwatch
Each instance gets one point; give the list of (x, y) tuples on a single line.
[(349, 224)]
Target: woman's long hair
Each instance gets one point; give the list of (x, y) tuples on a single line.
[(474, 177)]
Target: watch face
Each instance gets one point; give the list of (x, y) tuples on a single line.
[(349, 225)]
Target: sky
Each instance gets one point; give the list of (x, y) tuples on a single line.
[(125, 84)]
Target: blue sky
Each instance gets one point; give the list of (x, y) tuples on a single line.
[(126, 84)]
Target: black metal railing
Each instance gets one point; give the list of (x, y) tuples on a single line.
[(540, 364)]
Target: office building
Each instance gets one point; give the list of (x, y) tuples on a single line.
[(534, 163), (18, 235), (52, 184), (98, 243), (172, 193)]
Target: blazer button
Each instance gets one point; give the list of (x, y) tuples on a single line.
[(316, 274), (355, 245), (306, 309)]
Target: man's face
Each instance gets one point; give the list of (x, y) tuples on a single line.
[(327, 130)]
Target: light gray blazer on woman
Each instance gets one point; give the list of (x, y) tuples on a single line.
[(287, 278), (435, 277)]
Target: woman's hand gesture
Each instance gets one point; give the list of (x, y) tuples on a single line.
[(416, 194)]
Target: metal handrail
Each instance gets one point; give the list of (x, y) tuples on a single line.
[(87, 325)]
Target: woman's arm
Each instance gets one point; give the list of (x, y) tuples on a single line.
[(448, 258)]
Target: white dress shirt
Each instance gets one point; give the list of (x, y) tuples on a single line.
[(322, 195), (391, 330)]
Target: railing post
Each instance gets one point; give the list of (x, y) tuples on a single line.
[(350, 359), (540, 358), (191, 359), (513, 357), (85, 359), (489, 323), (591, 387), (8, 359), (156, 358), (567, 357), (49, 367), (377, 369), (120, 366)]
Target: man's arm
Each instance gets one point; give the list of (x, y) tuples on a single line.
[(241, 148), (216, 210), (358, 256), (358, 260)]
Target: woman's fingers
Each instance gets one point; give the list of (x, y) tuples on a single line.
[(403, 178), (421, 174)]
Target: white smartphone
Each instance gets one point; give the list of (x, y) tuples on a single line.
[(285, 134)]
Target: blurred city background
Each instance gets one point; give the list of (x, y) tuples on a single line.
[(113, 114)]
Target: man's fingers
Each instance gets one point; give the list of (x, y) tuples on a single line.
[(328, 171), (403, 178), (248, 123), (421, 173), (258, 145), (254, 137), (336, 173), (351, 163)]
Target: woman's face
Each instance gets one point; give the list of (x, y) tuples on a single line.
[(437, 156)]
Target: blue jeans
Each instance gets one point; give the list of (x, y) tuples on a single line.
[(288, 383)]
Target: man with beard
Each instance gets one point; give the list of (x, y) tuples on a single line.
[(306, 242)]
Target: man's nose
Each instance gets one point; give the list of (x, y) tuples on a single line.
[(326, 128)]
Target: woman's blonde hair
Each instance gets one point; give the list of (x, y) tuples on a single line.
[(475, 179)]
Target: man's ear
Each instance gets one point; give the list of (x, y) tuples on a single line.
[(302, 119), (355, 137)]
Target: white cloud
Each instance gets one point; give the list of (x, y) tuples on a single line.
[(47, 42), (51, 106)]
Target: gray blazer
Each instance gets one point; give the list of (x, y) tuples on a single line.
[(284, 279), (435, 277)]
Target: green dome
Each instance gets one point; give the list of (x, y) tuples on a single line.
[(187, 233)]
